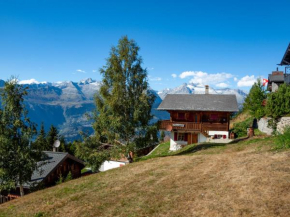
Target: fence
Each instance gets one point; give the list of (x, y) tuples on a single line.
[(7, 198)]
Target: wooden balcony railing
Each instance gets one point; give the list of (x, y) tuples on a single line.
[(170, 125), (192, 126)]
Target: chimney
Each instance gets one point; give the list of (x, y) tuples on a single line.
[(206, 89)]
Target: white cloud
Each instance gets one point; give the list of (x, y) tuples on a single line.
[(247, 81), (82, 71), (206, 78), (150, 69), (94, 70), (222, 85), (155, 79), (174, 75), (235, 79)]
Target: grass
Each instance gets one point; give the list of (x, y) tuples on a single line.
[(245, 178), (240, 118)]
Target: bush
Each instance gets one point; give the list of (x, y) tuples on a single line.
[(60, 179), (68, 177), (283, 140), (240, 129)]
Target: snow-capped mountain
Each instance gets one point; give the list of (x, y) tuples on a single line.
[(192, 88), (64, 104)]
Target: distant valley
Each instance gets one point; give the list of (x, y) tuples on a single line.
[(64, 104)]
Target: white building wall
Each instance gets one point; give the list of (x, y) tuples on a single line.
[(201, 138), (212, 133), (175, 145), (108, 165)]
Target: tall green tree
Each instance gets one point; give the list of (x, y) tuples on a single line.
[(63, 144), (41, 140), (52, 136), (253, 101), (18, 159), (124, 102)]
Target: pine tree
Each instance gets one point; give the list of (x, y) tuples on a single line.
[(52, 136), (253, 101), (41, 140), (18, 159), (63, 145)]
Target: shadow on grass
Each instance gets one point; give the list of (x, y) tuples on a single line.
[(193, 148), (197, 148), (204, 146)]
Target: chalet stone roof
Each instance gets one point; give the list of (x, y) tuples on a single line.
[(200, 102), (47, 166)]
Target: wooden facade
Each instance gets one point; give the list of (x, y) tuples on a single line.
[(194, 121), (63, 169)]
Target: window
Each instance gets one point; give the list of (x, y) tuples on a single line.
[(195, 119), (190, 116), (214, 117), (180, 137)]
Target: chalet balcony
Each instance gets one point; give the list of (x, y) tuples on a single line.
[(192, 126)]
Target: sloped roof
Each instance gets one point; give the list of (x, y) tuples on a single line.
[(200, 102), (286, 57), (276, 78), (51, 162)]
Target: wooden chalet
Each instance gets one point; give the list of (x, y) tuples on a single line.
[(196, 117), (55, 164)]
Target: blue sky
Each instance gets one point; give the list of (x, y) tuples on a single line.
[(220, 43)]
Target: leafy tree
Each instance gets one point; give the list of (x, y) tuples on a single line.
[(253, 101), (41, 141), (123, 105), (71, 147), (18, 159), (52, 136), (94, 152)]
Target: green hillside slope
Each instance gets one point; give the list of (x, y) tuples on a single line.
[(242, 179)]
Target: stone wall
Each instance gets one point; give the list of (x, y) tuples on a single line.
[(263, 126), (284, 121)]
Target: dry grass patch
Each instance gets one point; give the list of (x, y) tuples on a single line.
[(250, 181)]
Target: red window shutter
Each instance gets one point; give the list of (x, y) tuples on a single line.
[(185, 137), (175, 136)]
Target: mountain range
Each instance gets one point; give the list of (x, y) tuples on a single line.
[(64, 104)]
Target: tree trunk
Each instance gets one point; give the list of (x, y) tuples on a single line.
[(21, 190)]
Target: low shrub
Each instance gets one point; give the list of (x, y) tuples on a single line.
[(240, 129)]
